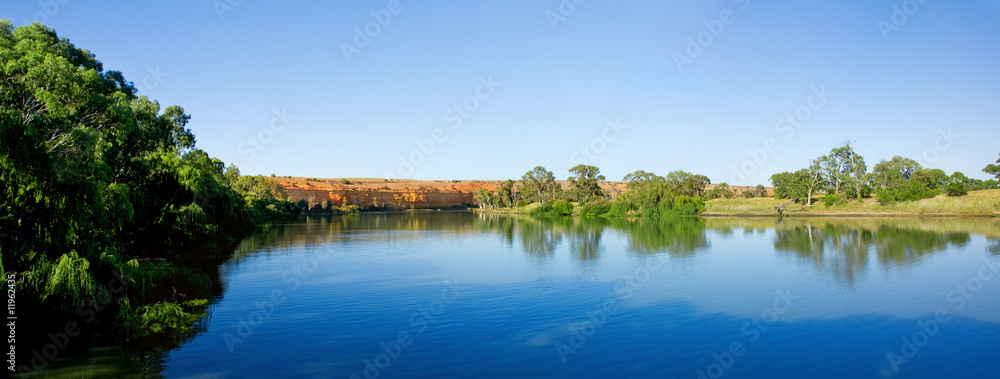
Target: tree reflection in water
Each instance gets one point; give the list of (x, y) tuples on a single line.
[(844, 247)]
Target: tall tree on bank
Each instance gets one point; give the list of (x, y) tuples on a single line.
[(813, 178), (801, 184), (993, 169), (930, 178), (99, 182), (539, 184), (760, 191), (649, 194), (644, 188), (686, 183), (857, 169), (485, 199), (892, 173), (508, 193), (836, 167), (585, 183), (957, 185), (791, 185)]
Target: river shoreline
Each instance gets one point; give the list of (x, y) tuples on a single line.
[(810, 214)]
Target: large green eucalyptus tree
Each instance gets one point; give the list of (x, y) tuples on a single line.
[(539, 185), (585, 183), (99, 181)]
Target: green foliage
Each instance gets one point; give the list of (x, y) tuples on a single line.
[(64, 282), (721, 191), (541, 210), (852, 192), (558, 207), (166, 318), (760, 191), (750, 193), (650, 195), (539, 185), (892, 173), (595, 208), (791, 185), (97, 178), (832, 199), (584, 183), (645, 189), (903, 179), (324, 207), (508, 194), (993, 169), (930, 178), (843, 171), (347, 209), (844, 168), (911, 190), (976, 184), (562, 207), (681, 206), (957, 185), (686, 183), (486, 199)]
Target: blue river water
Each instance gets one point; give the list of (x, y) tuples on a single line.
[(492, 296)]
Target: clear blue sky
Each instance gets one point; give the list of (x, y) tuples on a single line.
[(895, 88)]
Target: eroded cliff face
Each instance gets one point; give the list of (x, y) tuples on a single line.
[(388, 195), (389, 200), (412, 194)]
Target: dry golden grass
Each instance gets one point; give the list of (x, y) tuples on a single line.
[(757, 205), (985, 202)]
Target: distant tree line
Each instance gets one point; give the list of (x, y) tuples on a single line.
[(842, 175), (835, 178), (679, 193)]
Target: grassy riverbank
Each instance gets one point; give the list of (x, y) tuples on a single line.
[(976, 203)]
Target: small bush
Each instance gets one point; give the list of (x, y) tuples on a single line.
[(911, 191), (595, 208), (542, 209), (562, 207), (832, 199), (559, 207), (760, 191), (682, 206), (349, 209), (956, 189), (721, 191), (957, 185)]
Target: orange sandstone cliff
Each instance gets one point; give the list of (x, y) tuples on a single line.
[(386, 194), (393, 194)]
